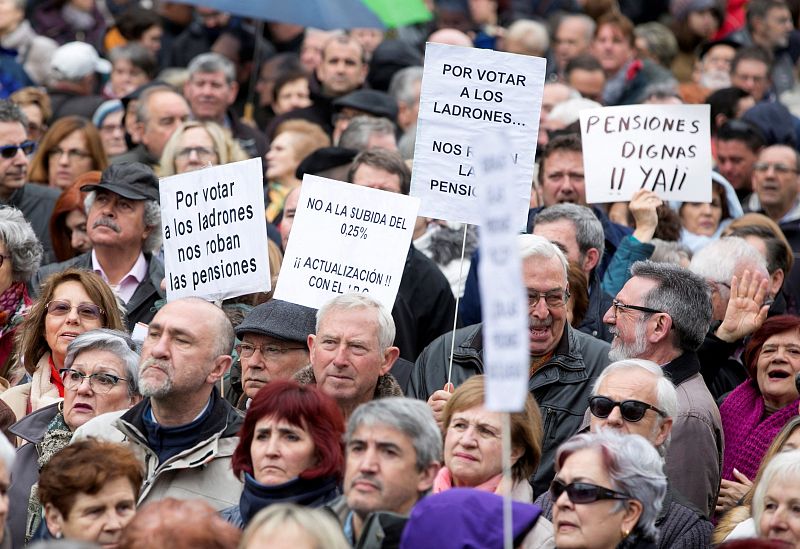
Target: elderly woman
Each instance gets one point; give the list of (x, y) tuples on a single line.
[(89, 492), (473, 449), (756, 411), (20, 255), (71, 147), (607, 492), (195, 145), (290, 525), (289, 450), (294, 140), (775, 507), (99, 375), (71, 302), (703, 222), (68, 220)]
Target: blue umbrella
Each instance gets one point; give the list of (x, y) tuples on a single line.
[(320, 14)]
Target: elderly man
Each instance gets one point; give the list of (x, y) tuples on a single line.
[(36, 202), (393, 451), (351, 352), (184, 429), (573, 37), (159, 113), (662, 314), (750, 71), (579, 234), (124, 225), (273, 344), (563, 361), (775, 186), (211, 90), (405, 88), (635, 397)]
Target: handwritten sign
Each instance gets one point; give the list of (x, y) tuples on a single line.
[(662, 148), (215, 236), (503, 297), (346, 238), (474, 96)]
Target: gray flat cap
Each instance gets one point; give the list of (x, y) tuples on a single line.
[(279, 319)]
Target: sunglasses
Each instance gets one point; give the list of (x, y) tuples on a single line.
[(583, 492), (87, 311), (631, 410), (10, 151)]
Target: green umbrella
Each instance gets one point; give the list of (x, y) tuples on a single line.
[(398, 13)]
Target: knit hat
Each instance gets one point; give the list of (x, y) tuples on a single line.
[(680, 9), (281, 320), (105, 108), (74, 60)]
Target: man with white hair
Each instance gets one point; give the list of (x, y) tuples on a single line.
[(635, 397), (352, 352), (563, 361), (572, 38), (526, 37)]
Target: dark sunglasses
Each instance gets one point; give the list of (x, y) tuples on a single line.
[(10, 151), (583, 492), (631, 410)]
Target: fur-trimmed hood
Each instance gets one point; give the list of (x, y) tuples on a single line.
[(387, 385)]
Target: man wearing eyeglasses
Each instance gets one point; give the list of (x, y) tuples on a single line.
[(273, 345), (662, 314), (563, 361), (635, 397), (36, 202), (775, 185)]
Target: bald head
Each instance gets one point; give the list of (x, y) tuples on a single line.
[(450, 37)]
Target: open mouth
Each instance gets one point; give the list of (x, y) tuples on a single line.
[(778, 374)]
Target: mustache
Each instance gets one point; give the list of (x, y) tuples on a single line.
[(154, 362), (368, 478), (540, 322), (106, 222)]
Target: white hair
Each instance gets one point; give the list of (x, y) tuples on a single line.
[(568, 112), (386, 327), (720, 259), (782, 467), (531, 245)]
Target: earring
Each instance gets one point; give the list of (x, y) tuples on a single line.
[(625, 533)]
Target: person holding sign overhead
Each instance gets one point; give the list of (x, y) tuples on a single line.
[(124, 225)]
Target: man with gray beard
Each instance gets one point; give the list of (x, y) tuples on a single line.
[(184, 430), (662, 314)]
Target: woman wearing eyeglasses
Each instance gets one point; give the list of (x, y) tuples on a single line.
[(99, 376), (71, 302), (20, 255), (473, 448), (196, 145), (607, 492), (71, 147), (755, 412)]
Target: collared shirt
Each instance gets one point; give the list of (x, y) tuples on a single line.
[(128, 284)]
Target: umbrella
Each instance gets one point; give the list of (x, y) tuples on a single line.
[(399, 13), (320, 14)]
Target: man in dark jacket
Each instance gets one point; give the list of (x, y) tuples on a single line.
[(124, 226), (563, 361), (662, 314)]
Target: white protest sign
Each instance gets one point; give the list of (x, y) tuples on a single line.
[(215, 234), (503, 297), (346, 238), (661, 148), (472, 97)]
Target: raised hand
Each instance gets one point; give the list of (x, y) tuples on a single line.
[(747, 308)]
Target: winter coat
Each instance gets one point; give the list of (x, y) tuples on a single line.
[(561, 387)]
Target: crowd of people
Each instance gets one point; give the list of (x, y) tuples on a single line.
[(663, 336)]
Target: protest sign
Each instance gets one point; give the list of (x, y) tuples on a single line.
[(346, 238), (215, 235), (661, 148), (503, 297), (474, 97)]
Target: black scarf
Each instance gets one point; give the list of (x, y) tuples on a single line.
[(313, 492)]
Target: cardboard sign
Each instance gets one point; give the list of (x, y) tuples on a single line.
[(662, 148), (346, 238), (472, 97), (503, 296), (215, 234)]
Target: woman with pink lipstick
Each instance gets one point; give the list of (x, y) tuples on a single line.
[(756, 411), (607, 492), (71, 302), (99, 375)]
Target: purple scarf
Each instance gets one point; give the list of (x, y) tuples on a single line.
[(747, 434)]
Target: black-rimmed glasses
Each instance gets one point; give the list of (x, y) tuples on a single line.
[(620, 306)]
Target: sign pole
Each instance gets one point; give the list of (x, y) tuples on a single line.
[(458, 298), (508, 534)]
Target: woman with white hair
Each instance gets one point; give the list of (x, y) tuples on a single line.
[(776, 501), (607, 492)]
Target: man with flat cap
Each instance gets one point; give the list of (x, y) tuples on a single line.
[(372, 103), (124, 225), (273, 346)]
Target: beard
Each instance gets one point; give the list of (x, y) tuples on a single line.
[(152, 388), (621, 350)]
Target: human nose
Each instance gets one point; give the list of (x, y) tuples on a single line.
[(63, 158), (159, 347), (777, 521), (85, 386), (369, 461), (614, 419), (611, 316), (539, 310), (468, 437), (72, 316)]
